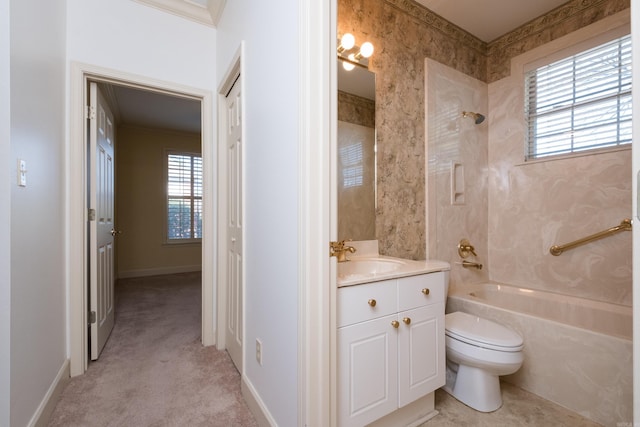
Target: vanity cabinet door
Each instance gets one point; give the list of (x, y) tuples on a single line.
[(421, 352), (367, 371)]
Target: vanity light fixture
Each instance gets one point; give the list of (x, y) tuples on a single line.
[(352, 55)]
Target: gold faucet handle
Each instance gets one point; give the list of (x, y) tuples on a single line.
[(465, 249), (336, 248)]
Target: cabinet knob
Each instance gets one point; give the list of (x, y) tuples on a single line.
[(425, 291), (372, 302), (395, 324), (406, 320)]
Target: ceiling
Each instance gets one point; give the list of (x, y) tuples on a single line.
[(139, 107), (485, 19), (490, 19)]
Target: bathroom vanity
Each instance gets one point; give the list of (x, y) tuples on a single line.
[(391, 342)]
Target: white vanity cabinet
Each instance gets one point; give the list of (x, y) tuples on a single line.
[(390, 345)]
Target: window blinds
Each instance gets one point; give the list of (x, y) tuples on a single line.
[(184, 196), (579, 103)]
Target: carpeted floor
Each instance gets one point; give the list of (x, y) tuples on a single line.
[(154, 370)]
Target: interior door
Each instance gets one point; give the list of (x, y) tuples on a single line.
[(234, 225), (101, 220)]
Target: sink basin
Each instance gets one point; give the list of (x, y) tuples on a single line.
[(368, 267)]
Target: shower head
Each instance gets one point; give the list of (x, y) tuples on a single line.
[(479, 118)]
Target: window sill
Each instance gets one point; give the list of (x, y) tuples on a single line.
[(183, 242), (626, 147)]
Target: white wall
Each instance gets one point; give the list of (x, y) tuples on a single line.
[(136, 40), (5, 211), (270, 31), (37, 120), (127, 36)]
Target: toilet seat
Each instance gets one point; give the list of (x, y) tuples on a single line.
[(481, 332)]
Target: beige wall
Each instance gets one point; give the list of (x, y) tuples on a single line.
[(140, 203), (404, 34)]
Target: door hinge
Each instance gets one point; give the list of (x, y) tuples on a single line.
[(90, 112), (92, 214), (92, 317)]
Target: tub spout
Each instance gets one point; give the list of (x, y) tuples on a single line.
[(469, 264)]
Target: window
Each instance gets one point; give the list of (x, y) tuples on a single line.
[(580, 103), (352, 162), (184, 197)]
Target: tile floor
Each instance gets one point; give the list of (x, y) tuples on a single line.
[(520, 408)]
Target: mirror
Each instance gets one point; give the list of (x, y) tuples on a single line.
[(356, 154)]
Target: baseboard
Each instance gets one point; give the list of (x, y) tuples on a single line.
[(48, 404), (256, 405), (158, 271)]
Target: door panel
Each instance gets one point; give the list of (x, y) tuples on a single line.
[(235, 266), (102, 226), (367, 371), (421, 345)]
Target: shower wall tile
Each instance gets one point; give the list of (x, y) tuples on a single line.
[(455, 139), (536, 205)]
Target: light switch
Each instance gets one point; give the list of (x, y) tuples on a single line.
[(22, 173)]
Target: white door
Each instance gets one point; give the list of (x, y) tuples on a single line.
[(101, 220), (234, 225)]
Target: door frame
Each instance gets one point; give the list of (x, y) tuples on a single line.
[(76, 202)]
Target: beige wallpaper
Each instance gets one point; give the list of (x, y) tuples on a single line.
[(140, 199), (404, 34), (559, 22)]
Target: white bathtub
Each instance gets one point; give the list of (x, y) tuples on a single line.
[(578, 352)]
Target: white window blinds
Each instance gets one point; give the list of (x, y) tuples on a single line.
[(184, 196), (579, 103)]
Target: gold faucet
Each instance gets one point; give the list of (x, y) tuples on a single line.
[(339, 250), (465, 249)]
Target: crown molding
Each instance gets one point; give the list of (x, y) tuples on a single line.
[(207, 15)]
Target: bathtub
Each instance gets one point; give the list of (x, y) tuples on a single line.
[(578, 352)]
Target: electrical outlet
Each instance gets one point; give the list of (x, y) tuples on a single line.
[(259, 351)]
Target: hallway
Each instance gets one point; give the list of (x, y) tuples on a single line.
[(154, 369)]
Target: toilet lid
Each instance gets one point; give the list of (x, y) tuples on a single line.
[(481, 332)]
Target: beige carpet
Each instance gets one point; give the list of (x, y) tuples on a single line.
[(153, 370)]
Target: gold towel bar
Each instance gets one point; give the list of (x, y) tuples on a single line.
[(625, 225)]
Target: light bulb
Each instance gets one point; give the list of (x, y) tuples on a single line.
[(366, 50), (348, 65), (348, 41)]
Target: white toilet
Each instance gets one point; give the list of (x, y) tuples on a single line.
[(478, 352)]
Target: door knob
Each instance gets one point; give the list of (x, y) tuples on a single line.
[(114, 232), (425, 291), (395, 324), (406, 320), (372, 302)]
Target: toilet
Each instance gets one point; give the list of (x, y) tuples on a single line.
[(478, 352)]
